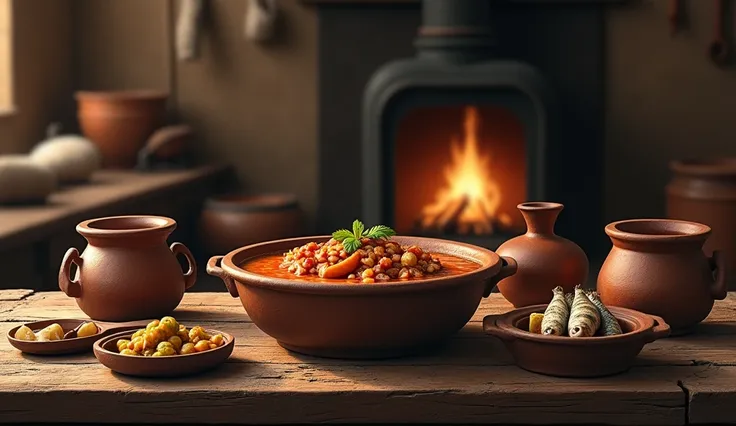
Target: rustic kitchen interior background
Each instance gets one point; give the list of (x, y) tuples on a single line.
[(648, 96)]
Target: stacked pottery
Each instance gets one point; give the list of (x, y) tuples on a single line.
[(705, 192), (545, 260), (658, 266)]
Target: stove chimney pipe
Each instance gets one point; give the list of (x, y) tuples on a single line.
[(456, 30)]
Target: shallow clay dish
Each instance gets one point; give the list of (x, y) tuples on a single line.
[(106, 352), (575, 357), (67, 346), (368, 321)]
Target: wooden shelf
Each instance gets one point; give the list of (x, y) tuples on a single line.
[(107, 191)]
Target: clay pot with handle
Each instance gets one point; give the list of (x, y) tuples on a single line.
[(127, 271), (546, 260), (658, 266)]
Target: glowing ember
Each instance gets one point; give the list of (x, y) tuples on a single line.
[(469, 201)]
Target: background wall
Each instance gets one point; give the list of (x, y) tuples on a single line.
[(666, 100), (254, 106), (42, 72), (257, 106)]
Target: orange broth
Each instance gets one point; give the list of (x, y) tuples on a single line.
[(268, 265)]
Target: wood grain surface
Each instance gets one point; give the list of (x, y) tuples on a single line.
[(471, 380)]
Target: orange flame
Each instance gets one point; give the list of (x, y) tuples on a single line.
[(469, 183)]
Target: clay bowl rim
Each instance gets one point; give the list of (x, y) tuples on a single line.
[(489, 268), (699, 231), (121, 95), (646, 324), (99, 347), (62, 346), (87, 228), (714, 166), (246, 202)]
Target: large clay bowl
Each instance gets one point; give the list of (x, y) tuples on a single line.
[(105, 350), (349, 320), (575, 357)]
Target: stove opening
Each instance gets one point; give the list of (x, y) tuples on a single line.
[(460, 171)]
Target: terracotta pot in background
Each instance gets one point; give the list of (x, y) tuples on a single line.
[(235, 220), (127, 271), (658, 266), (705, 191), (545, 260), (119, 123)]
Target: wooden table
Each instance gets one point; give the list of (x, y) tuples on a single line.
[(472, 380)]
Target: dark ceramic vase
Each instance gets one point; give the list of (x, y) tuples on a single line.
[(658, 266), (545, 260), (704, 191)]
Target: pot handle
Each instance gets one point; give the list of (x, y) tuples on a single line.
[(214, 269), (190, 277), (508, 268), (70, 287), (660, 330), (719, 288), (490, 326)]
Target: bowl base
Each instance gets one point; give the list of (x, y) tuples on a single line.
[(578, 374), (363, 353)]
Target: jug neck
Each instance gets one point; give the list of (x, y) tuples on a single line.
[(540, 217)]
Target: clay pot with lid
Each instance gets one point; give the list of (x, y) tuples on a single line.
[(658, 266), (234, 220), (704, 191), (545, 260), (127, 271), (120, 122)]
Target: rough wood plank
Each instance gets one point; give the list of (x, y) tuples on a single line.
[(711, 394), (470, 379), (15, 294), (275, 393), (108, 189)]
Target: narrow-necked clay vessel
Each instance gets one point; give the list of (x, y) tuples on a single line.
[(658, 266), (545, 260), (127, 272)]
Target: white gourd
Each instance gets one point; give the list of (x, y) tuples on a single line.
[(22, 180), (72, 158)]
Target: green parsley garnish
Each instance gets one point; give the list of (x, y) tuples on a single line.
[(351, 240)]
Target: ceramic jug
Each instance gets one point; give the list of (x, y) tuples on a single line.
[(658, 266), (127, 272), (545, 260)]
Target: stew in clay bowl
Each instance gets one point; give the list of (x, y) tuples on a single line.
[(363, 293)]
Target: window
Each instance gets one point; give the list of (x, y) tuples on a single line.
[(6, 56)]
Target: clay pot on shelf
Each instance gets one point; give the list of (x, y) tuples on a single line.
[(235, 220), (119, 123), (658, 266), (545, 259), (127, 271), (704, 191)]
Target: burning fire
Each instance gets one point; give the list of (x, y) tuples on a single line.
[(469, 201)]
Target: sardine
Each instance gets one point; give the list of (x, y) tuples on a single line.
[(556, 314), (569, 297), (609, 324), (584, 317)]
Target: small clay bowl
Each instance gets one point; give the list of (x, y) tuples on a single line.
[(564, 356), (106, 352), (67, 346)]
